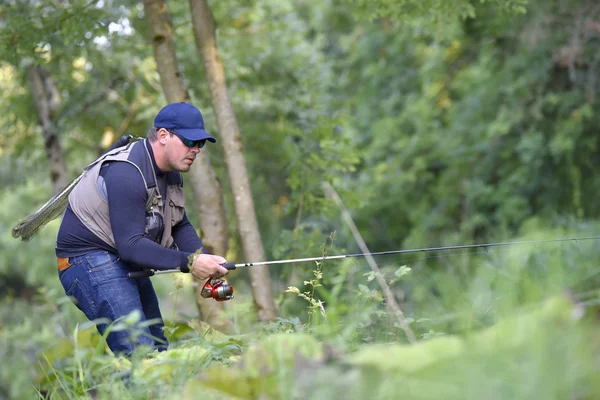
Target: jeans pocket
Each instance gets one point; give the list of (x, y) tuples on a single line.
[(100, 260), (81, 298), (74, 261)]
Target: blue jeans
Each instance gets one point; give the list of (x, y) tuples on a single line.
[(97, 283)]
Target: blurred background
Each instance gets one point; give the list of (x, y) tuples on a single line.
[(437, 123)]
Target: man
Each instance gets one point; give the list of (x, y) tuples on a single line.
[(127, 213)]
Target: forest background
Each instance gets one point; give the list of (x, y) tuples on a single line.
[(436, 123)]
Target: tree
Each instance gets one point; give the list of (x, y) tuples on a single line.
[(469, 137), (47, 100), (204, 32), (207, 190), (48, 44)]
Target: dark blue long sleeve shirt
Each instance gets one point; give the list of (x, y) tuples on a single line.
[(127, 196)]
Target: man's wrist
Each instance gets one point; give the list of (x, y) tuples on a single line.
[(191, 259)]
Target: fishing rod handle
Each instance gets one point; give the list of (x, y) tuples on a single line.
[(140, 274), (149, 272), (229, 266)]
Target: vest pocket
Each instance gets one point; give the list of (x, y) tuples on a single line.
[(155, 226), (176, 205)]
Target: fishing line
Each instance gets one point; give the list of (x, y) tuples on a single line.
[(445, 255), (219, 290), (427, 250)]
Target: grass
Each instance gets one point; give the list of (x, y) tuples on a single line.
[(520, 323)]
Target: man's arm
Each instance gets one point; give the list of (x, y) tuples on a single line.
[(127, 209), (185, 236)]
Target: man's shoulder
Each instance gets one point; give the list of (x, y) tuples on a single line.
[(119, 167), (123, 174), (138, 153)]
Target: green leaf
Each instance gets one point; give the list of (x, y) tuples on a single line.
[(363, 288), (403, 270)]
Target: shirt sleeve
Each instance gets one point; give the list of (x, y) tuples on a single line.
[(185, 236), (127, 196)]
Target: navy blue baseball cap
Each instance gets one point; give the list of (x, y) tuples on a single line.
[(185, 119)]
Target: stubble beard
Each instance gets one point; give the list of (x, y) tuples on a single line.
[(180, 165), (185, 166)]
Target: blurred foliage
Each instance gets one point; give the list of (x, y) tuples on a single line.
[(522, 337), (439, 123), (432, 16), (476, 133)]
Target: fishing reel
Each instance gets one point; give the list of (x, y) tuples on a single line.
[(217, 289)]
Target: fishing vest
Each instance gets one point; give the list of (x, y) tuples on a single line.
[(89, 202)]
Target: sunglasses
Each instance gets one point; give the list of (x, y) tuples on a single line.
[(190, 143)]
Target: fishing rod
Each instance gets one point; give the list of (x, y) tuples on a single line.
[(220, 291)]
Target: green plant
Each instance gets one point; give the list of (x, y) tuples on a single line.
[(309, 295)]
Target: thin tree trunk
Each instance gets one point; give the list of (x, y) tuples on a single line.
[(206, 187), (204, 31), (46, 97)]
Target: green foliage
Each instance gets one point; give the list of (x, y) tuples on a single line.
[(455, 143), (313, 285), (267, 369), (485, 364), (324, 156), (16, 256), (32, 28), (433, 16), (440, 123), (527, 352)]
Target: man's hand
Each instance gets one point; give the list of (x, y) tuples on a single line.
[(208, 266)]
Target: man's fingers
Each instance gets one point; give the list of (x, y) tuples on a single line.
[(199, 276), (219, 259), (223, 270), (210, 266)]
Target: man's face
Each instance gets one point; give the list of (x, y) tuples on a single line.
[(178, 156)]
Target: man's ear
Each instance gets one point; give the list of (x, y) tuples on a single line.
[(162, 135)]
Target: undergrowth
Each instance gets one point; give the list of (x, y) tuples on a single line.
[(519, 323)]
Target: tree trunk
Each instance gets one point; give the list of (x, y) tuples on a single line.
[(46, 98), (204, 32), (206, 187)]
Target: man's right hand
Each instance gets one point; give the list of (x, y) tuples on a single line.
[(208, 266)]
